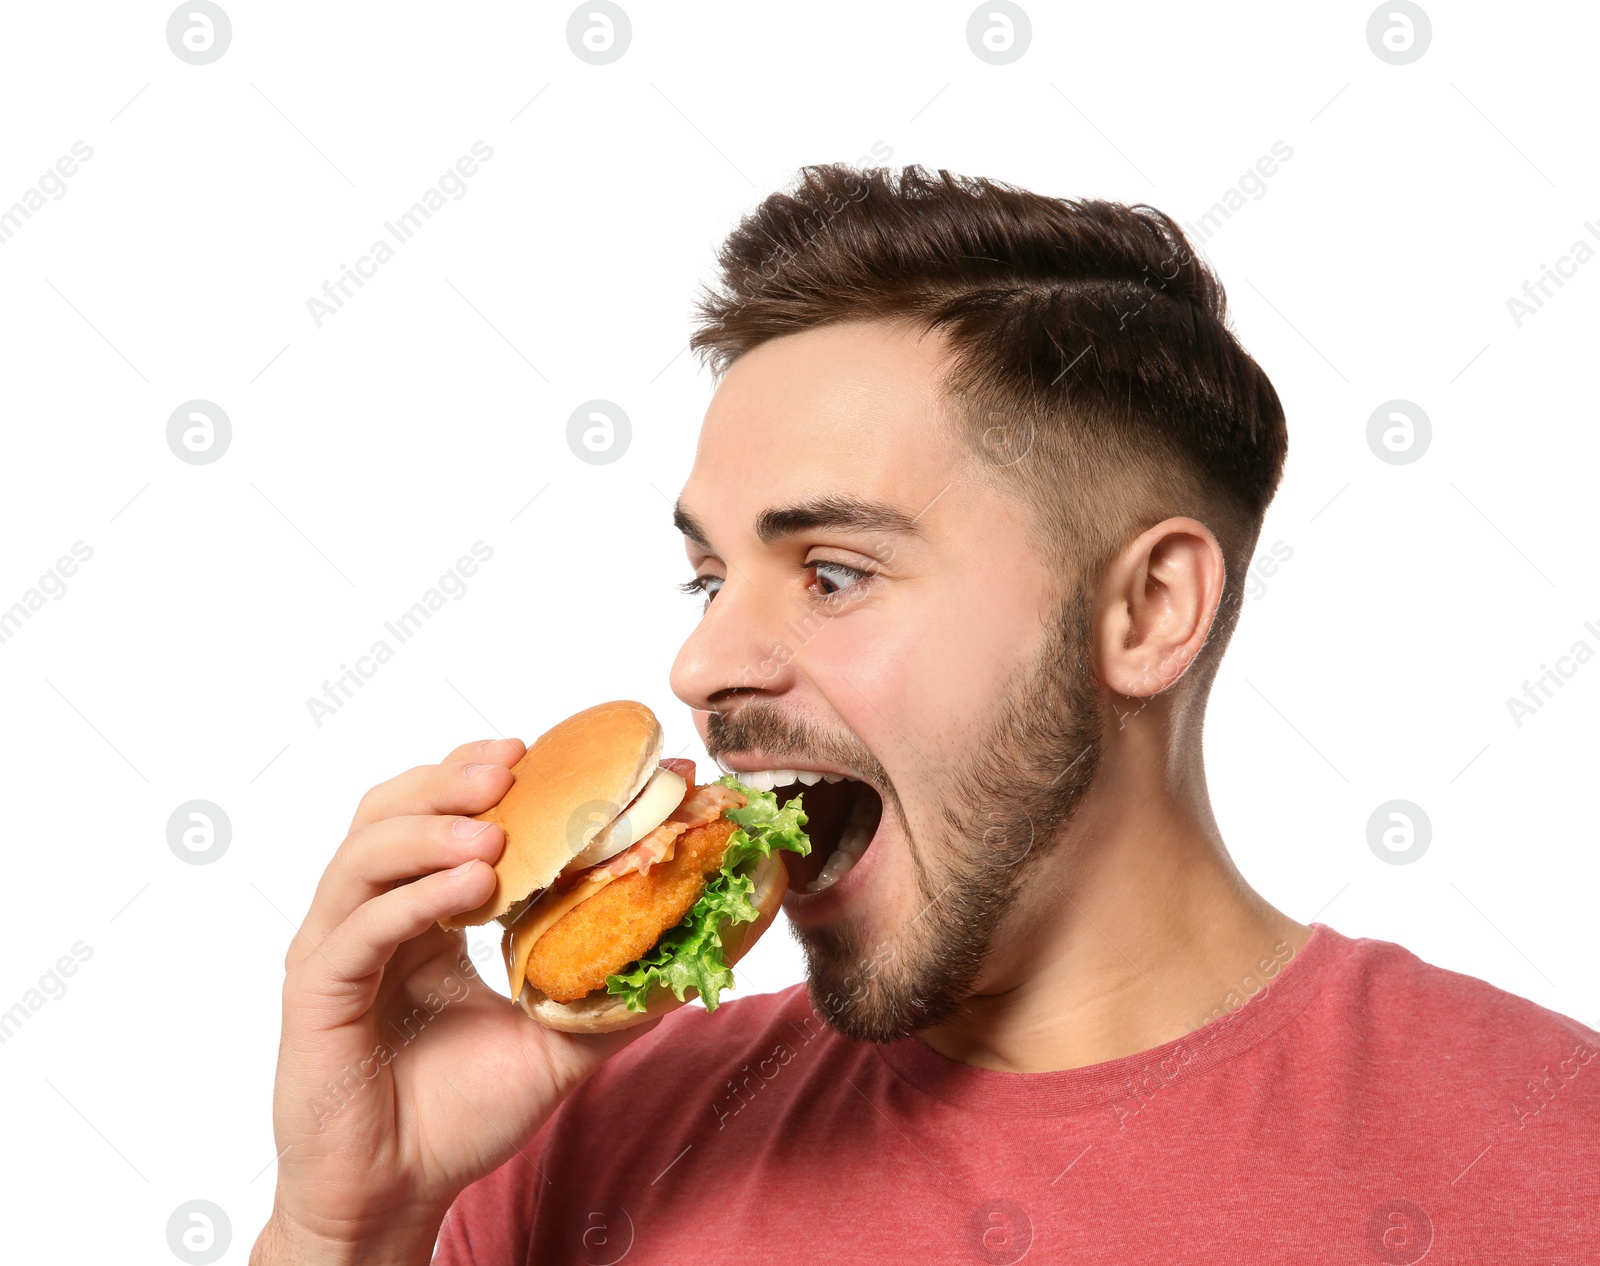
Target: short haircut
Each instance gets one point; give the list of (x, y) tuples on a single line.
[(1089, 353)]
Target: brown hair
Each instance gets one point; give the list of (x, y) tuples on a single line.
[(1090, 357)]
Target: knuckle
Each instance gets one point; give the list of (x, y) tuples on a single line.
[(335, 875), (294, 970)]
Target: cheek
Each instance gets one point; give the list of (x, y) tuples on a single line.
[(920, 682)]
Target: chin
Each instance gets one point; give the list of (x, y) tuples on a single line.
[(873, 1003), (887, 954), (878, 984)]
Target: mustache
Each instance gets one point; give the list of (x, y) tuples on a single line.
[(762, 727)]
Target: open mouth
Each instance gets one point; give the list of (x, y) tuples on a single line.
[(842, 816)]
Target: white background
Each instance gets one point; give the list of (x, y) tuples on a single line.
[(369, 454)]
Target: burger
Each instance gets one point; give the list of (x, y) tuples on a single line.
[(623, 887)]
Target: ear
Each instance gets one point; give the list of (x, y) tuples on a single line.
[(1156, 602)]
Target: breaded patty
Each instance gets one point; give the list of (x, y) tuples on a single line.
[(624, 920)]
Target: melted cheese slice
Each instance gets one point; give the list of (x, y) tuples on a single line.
[(518, 941)]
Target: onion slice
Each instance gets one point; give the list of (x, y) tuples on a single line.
[(662, 794)]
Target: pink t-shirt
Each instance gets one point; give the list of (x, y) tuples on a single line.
[(1361, 1107)]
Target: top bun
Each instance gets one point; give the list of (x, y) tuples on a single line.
[(570, 783)]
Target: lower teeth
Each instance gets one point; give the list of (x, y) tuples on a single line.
[(833, 870), (852, 844)]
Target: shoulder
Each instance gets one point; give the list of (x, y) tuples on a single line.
[(1399, 992), (1458, 1044)]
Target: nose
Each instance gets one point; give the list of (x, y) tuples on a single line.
[(738, 646)]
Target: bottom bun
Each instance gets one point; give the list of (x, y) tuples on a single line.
[(602, 1012)]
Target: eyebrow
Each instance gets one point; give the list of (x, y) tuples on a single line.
[(775, 523)]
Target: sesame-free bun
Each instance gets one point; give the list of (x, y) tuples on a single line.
[(572, 781), (602, 1012)]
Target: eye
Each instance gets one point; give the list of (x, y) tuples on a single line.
[(706, 586), (835, 578)]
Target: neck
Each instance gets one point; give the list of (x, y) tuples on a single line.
[(1135, 929)]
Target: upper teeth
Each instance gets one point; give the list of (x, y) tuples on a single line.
[(767, 779)]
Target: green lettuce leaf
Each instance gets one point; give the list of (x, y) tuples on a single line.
[(689, 956)]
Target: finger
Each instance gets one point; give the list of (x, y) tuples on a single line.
[(500, 751), (457, 787), (374, 857), (332, 978)]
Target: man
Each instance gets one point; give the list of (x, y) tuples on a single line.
[(970, 512)]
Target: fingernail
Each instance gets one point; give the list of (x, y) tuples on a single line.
[(459, 870), (468, 828), (472, 770)]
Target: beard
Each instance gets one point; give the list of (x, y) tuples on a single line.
[(1001, 811)]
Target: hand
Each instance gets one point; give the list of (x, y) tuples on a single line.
[(402, 1075)]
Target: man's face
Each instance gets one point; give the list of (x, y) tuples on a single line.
[(876, 610)]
